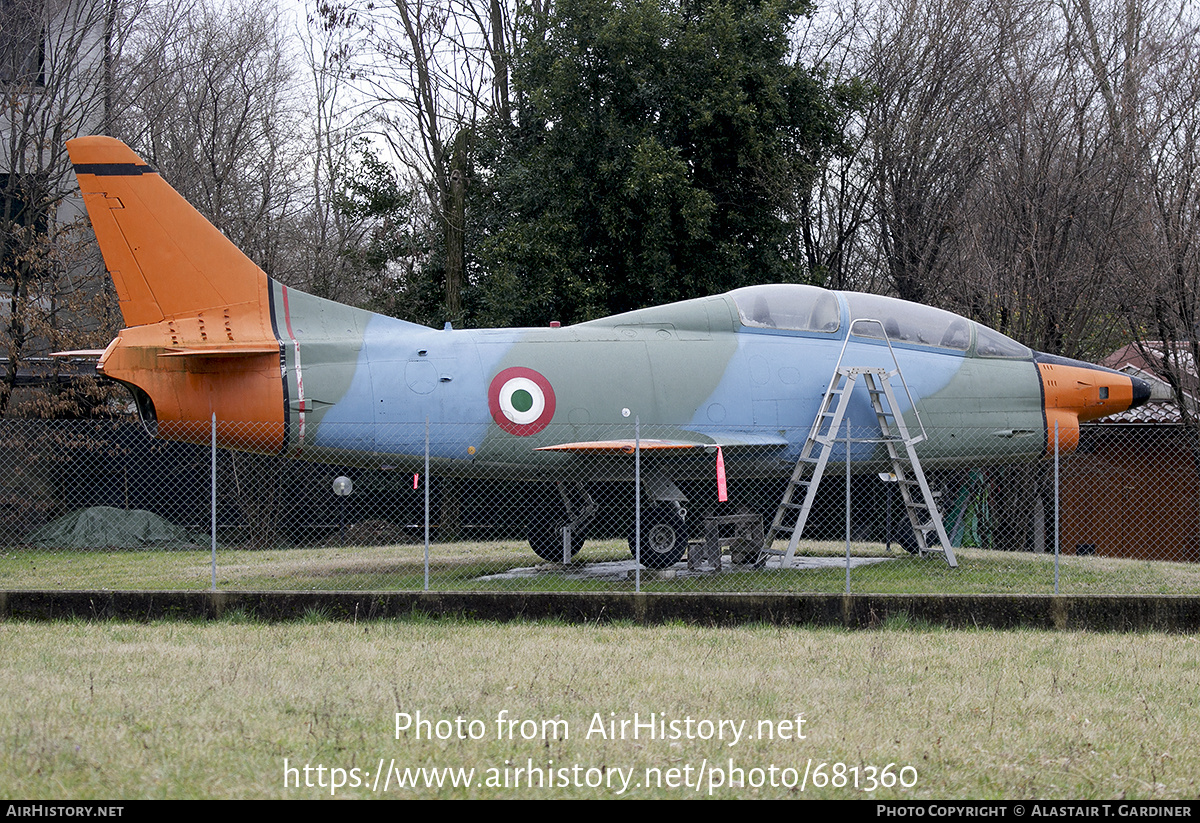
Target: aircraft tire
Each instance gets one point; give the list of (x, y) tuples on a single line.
[(902, 536), (546, 541), (664, 538)]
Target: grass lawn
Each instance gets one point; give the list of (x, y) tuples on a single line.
[(482, 566), (225, 709)]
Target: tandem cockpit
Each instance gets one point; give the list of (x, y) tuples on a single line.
[(810, 310)]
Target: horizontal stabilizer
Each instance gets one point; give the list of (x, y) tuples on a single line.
[(78, 353), (228, 350)]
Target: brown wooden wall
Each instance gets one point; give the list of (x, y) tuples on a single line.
[(1132, 491)]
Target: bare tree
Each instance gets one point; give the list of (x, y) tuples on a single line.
[(331, 235), (834, 241), (55, 76), (214, 109), (1049, 208), (433, 70), (932, 65), (1163, 258), (999, 163)]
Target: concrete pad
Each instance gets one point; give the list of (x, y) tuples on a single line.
[(624, 569)]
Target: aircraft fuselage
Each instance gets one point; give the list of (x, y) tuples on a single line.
[(349, 385)]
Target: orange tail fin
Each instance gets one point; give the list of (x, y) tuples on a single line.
[(199, 338), (165, 259)]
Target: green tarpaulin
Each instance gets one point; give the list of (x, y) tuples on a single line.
[(102, 527)]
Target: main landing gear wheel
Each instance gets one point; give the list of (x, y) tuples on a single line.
[(664, 538), (903, 536), (546, 540)]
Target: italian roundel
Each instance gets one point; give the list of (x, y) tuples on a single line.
[(521, 401)]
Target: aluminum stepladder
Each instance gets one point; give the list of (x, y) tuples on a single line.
[(922, 511)]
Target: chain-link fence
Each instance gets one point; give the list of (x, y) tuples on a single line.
[(105, 505)]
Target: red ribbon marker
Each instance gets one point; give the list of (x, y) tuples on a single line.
[(722, 491)]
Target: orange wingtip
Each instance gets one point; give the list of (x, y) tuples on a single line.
[(626, 446)]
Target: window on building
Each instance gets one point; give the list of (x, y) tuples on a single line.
[(22, 201), (22, 42)]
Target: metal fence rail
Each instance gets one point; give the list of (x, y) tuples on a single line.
[(105, 505)]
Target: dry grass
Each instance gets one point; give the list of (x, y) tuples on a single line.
[(110, 710)]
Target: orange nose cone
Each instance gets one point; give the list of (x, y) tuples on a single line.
[(1076, 392)]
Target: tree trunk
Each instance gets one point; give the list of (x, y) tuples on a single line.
[(455, 216)]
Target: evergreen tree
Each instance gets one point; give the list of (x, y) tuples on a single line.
[(655, 152)]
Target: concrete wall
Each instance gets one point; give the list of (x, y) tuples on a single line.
[(1095, 613)]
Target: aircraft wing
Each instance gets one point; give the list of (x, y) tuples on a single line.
[(709, 442)]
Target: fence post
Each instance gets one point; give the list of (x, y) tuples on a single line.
[(637, 503), (847, 504), (426, 504), (212, 488), (1057, 513)]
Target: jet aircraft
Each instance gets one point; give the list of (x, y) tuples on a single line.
[(208, 332)]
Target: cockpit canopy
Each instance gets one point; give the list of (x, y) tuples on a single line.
[(794, 307), (788, 306)]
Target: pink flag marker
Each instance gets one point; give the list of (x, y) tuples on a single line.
[(722, 491), (415, 476)]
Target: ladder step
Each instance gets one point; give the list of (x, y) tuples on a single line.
[(791, 517), (917, 484)]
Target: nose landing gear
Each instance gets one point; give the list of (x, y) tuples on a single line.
[(664, 536), (559, 540)]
